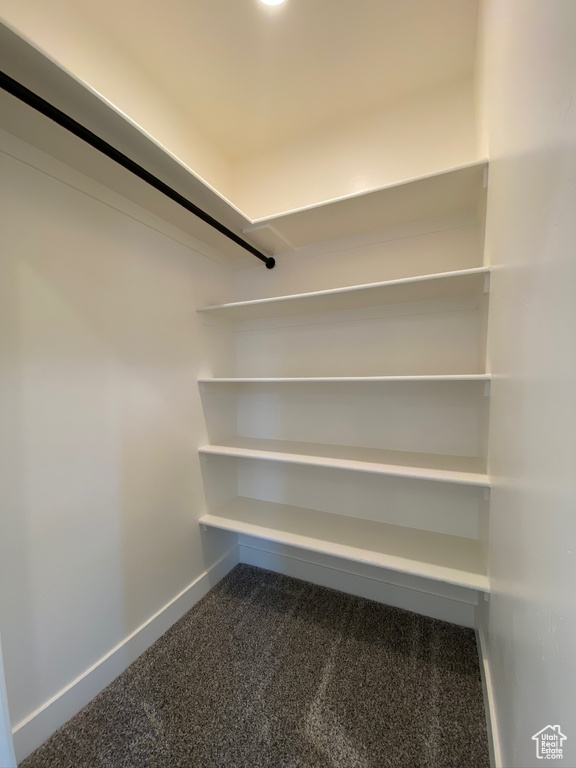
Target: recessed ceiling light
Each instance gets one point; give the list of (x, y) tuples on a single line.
[(272, 2)]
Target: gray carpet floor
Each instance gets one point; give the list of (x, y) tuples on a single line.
[(272, 672)]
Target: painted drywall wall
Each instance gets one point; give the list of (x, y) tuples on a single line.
[(480, 84), (421, 136), (101, 421), (530, 82), (435, 245)]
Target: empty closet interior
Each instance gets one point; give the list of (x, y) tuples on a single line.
[(353, 420)]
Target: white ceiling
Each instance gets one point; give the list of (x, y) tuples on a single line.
[(252, 78)]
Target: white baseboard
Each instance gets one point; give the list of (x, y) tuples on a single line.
[(31, 732), (489, 701), (7, 756), (456, 605)]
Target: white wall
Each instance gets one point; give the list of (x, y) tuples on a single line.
[(530, 94), (421, 136), (439, 245), (101, 419)]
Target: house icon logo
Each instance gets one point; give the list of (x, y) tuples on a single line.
[(549, 743)]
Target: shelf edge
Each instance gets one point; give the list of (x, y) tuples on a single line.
[(346, 289), (453, 576), (474, 479), (465, 377)]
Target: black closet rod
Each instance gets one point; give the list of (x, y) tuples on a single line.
[(49, 110)]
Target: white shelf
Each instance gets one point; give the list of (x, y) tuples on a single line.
[(461, 470), (450, 559), (456, 190), (445, 285), (347, 379)]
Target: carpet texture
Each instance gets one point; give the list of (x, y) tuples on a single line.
[(272, 672)]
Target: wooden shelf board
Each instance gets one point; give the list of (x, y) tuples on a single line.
[(346, 379), (450, 559), (465, 282), (461, 470)]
